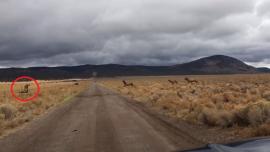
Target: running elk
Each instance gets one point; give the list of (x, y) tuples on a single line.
[(191, 80), (173, 82), (126, 84)]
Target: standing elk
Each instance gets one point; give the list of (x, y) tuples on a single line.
[(25, 89), (191, 80), (126, 84)]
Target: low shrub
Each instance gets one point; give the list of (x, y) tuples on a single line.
[(266, 95), (254, 115), (214, 117), (8, 111)]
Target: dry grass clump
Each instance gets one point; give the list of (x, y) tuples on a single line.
[(215, 101), (250, 115), (14, 113), (262, 130)]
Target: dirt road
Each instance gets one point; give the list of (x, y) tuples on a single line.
[(97, 121)]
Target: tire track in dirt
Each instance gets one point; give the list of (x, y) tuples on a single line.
[(105, 138), (178, 137)]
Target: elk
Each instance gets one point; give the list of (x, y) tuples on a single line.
[(179, 94), (25, 89), (173, 82), (190, 80), (126, 84)]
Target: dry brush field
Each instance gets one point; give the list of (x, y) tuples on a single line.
[(240, 103), (52, 93)]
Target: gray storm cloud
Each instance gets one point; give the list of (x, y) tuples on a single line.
[(151, 32)]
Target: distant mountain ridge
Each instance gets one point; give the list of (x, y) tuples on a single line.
[(263, 70), (217, 64)]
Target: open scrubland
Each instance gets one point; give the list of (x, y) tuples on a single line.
[(238, 103), (14, 113)]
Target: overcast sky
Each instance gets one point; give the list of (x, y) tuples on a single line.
[(149, 32)]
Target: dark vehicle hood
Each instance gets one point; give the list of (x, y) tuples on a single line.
[(259, 145)]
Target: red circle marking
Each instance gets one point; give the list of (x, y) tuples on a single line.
[(27, 99)]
